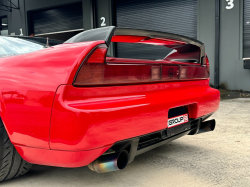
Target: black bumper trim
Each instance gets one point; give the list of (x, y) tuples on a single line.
[(141, 144), (161, 143)]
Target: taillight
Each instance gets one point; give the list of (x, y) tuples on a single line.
[(206, 63), (147, 40), (99, 54), (161, 41), (193, 72), (95, 71)]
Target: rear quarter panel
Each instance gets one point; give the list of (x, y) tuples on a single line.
[(27, 88)]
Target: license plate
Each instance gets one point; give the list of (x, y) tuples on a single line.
[(178, 120)]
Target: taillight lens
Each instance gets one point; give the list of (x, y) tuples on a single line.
[(95, 72), (193, 72), (147, 40), (206, 63), (99, 54), (161, 41)]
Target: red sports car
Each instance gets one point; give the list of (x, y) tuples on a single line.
[(72, 105)]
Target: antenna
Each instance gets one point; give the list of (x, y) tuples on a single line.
[(47, 45)]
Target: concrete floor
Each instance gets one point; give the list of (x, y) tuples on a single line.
[(219, 158)]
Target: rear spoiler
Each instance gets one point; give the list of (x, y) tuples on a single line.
[(108, 34)]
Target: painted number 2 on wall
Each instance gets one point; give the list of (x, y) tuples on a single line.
[(103, 24), (230, 4)]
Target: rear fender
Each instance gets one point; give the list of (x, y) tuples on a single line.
[(27, 89), (2, 112)]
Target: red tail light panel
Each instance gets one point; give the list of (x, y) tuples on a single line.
[(99, 54), (96, 72)]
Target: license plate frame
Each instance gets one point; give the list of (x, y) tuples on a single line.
[(180, 121)]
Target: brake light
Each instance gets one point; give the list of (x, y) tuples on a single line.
[(162, 41), (147, 40), (205, 63), (193, 72), (99, 55), (95, 72)]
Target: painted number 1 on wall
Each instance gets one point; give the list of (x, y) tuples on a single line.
[(230, 4)]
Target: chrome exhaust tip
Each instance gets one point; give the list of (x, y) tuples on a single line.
[(111, 162)]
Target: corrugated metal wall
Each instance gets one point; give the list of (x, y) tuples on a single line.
[(175, 16), (246, 23), (62, 18)]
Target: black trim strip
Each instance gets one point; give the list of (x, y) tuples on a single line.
[(131, 145), (217, 44), (161, 143)]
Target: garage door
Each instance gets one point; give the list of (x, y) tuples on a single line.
[(175, 16), (246, 41), (62, 18)]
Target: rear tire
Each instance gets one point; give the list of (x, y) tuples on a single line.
[(11, 163)]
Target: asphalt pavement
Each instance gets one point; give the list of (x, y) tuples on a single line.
[(220, 158)]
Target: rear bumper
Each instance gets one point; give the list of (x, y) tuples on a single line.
[(88, 122), (72, 159), (135, 146), (95, 117)]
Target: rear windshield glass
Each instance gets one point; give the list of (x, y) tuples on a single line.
[(184, 53), (14, 46), (141, 51)]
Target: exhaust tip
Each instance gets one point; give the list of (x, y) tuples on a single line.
[(212, 127), (122, 160), (112, 162), (207, 126)]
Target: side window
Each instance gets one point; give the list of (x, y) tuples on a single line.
[(3, 26), (10, 46)]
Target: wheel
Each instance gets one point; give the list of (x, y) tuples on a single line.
[(11, 163)]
